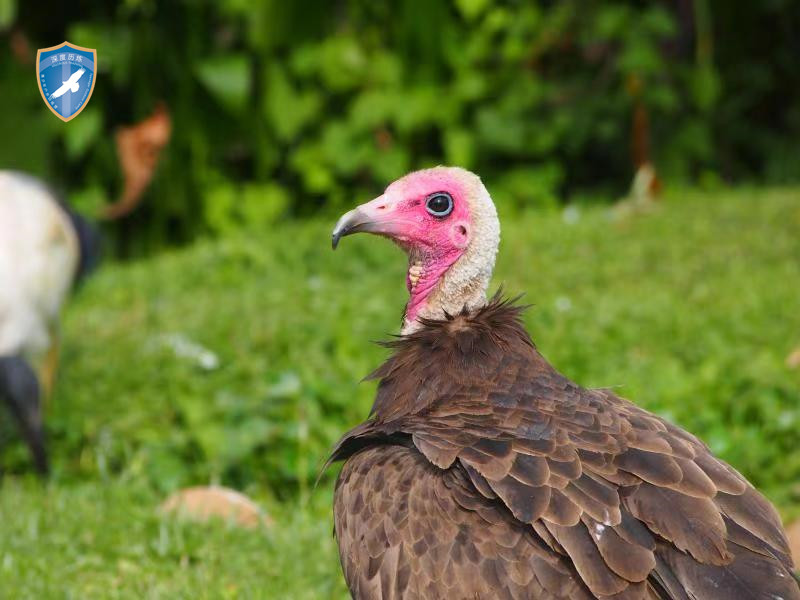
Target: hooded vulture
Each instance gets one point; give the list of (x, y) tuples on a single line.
[(483, 472), (44, 248)]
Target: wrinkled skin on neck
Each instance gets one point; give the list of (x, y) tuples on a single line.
[(448, 287), (431, 267)]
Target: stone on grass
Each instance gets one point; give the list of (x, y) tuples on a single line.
[(202, 503)]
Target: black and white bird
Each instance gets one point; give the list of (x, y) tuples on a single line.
[(45, 248)]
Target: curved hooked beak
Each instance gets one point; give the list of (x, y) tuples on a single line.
[(376, 216), (350, 222)]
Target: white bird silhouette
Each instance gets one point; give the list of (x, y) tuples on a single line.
[(70, 84)]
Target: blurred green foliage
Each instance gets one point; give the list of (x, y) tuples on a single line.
[(283, 107)]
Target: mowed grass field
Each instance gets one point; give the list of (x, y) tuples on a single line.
[(238, 361)]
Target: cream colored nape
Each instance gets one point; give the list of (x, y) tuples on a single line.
[(39, 257)]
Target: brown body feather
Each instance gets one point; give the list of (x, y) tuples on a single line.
[(484, 473)]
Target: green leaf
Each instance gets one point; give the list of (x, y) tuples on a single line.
[(262, 204), (309, 162), (82, 132), (706, 86), (611, 21), (641, 56), (459, 147), (89, 200), (500, 131), (228, 79), (219, 204), (343, 64), (344, 148), (287, 109), (392, 163), (114, 45), (533, 186), (8, 13), (471, 9)]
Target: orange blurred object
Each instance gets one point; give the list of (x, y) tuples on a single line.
[(206, 502), (793, 360), (645, 171), (139, 148)]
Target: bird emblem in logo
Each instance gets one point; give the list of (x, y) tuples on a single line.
[(66, 76)]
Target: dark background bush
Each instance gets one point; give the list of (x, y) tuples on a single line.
[(283, 107)]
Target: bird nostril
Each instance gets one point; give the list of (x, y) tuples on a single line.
[(382, 207), (462, 230)]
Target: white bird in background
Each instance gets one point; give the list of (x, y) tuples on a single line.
[(70, 84), (44, 249)]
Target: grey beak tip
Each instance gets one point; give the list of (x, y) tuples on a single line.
[(349, 223)]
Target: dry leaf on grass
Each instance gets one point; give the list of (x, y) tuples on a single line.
[(205, 502), (793, 360)]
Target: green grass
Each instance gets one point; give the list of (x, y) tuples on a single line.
[(106, 540), (689, 310)]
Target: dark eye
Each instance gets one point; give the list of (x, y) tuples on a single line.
[(439, 204)]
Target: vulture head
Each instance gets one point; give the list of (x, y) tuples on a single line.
[(446, 222)]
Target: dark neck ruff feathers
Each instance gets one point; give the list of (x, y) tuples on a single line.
[(446, 353), (433, 362)]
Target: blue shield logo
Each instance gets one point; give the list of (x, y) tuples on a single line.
[(66, 76)]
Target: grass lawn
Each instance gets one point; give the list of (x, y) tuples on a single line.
[(238, 361)]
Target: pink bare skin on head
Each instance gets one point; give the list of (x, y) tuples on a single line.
[(427, 213), (433, 243)]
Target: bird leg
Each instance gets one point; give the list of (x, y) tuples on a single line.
[(49, 366), (19, 388)]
